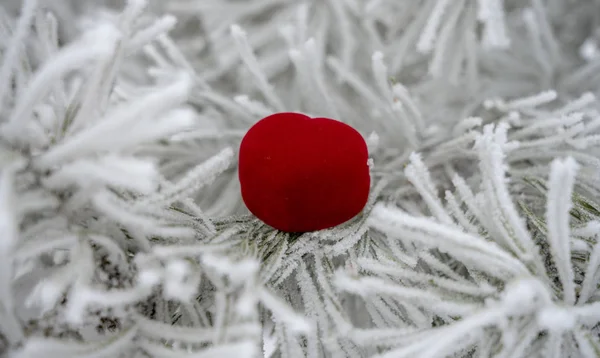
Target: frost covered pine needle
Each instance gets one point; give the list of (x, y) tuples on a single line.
[(123, 232)]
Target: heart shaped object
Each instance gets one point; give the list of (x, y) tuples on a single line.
[(300, 174)]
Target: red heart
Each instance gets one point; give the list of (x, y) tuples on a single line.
[(300, 174)]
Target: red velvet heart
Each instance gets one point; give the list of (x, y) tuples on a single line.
[(300, 174)]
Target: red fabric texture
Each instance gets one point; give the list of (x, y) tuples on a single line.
[(301, 174)]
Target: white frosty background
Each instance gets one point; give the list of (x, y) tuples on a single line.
[(122, 231)]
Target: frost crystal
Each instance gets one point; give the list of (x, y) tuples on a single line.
[(123, 233)]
